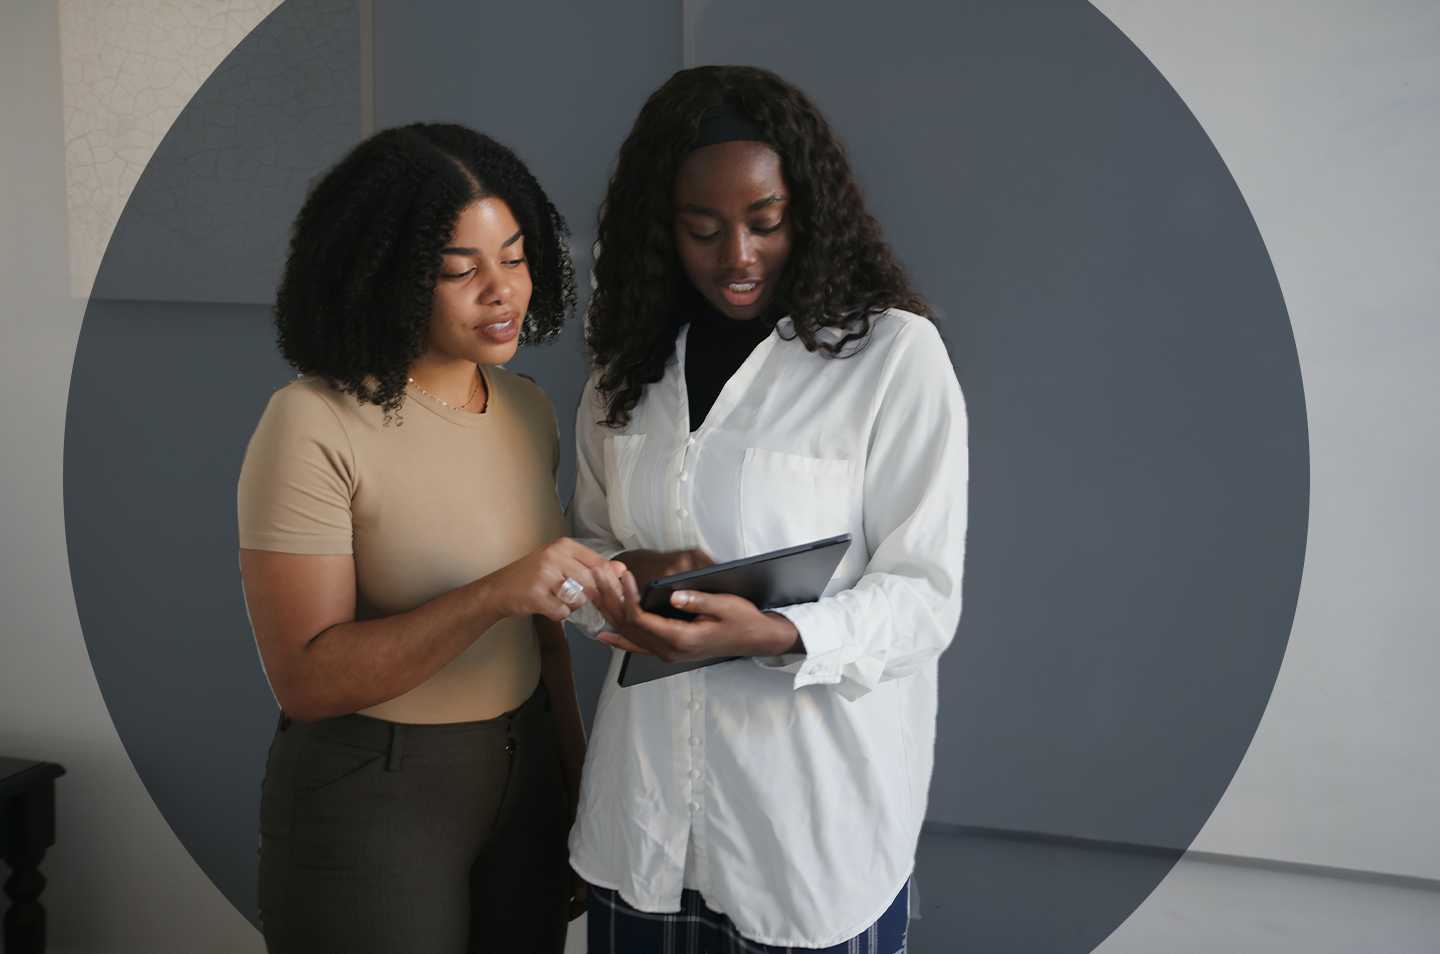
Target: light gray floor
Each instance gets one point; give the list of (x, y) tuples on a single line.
[(1202, 907), (1205, 907)]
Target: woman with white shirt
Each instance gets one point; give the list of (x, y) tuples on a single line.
[(763, 376)]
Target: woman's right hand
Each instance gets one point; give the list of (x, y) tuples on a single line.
[(531, 583), (647, 565)]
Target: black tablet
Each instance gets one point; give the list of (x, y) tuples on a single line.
[(795, 574)]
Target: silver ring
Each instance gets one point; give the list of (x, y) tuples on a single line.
[(571, 592)]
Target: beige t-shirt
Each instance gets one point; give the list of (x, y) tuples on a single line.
[(429, 505)]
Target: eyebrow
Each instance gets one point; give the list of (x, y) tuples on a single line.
[(773, 199), (467, 250)]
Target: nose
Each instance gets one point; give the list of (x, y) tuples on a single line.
[(737, 251), (498, 290)]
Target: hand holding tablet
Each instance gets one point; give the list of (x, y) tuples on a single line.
[(655, 631)]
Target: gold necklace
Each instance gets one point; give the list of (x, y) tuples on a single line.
[(474, 387)]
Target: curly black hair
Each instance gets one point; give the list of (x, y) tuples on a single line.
[(355, 301), (840, 272)]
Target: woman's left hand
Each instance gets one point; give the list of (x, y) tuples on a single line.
[(725, 625)]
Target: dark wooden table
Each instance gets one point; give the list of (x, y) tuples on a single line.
[(27, 830)]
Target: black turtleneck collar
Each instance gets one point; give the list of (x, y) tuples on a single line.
[(715, 347)]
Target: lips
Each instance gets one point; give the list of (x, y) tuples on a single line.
[(500, 331), (740, 293)]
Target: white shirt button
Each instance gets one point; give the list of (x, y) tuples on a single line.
[(684, 476), (683, 512), (694, 773), (695, 740), (690, 442), (695, 807), (695, 704)]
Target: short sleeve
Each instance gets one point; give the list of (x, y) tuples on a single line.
[(298, 478), (550, 422)]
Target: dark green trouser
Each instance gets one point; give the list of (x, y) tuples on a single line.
[(380, 838)]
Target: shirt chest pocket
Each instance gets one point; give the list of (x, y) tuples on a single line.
[(788, 499), (622, 453)]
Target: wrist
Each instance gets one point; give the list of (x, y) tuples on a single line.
[(486, 604), (785, 637)]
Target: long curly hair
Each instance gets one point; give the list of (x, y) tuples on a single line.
[(355, 301), (840, 272)]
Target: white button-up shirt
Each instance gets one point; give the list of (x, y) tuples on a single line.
[(788, 790)]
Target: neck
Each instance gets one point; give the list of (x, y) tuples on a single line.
[(450, 379)]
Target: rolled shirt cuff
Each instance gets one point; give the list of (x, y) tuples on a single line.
[(824, 661)]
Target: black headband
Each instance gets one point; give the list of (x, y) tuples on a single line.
[(726, 124)]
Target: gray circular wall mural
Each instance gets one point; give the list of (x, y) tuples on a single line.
[(1139, 483)]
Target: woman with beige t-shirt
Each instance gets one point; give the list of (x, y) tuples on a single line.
[(405, 564)]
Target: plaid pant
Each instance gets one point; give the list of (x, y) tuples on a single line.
[(617, 928)]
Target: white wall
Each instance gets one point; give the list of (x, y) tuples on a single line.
[(1327, 113), (119, 879)]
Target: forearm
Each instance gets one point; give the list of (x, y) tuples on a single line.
[(355, 665)]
